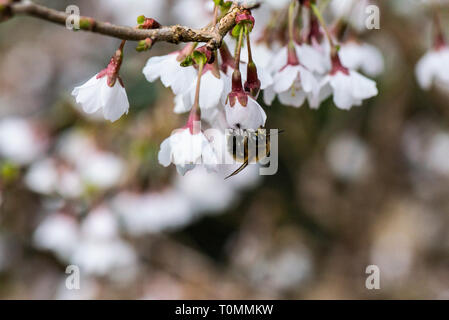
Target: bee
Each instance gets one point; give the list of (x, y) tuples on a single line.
[(248, 146)]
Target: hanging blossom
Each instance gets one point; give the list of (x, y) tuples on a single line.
[(242, 110), (353, 11), (362, 56), (105, 91), (433, 67), (213, 88), (256, 78), (168, 68), (349, 88), (293, 83), (188, 146)]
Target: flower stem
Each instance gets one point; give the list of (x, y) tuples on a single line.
[(196, 103), (248, 44), (291, 19), (324, 26), (238, 49)]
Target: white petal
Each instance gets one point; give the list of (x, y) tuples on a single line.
[(185, 79), (115, 101), (227, 87), (186, 147), (89, 94), (208, 156), (269, 95), (341, 83), (265, 78), (250, 117), (290, 98), (279, 61), (323, 91), (373, 64), (182, 103), (362, 87), (283, 80), (170, 71), (211, 90), (183, 169), (154, 67), (164, 155), (307, 80), (363, 57), (313, 59), (90, 83), (426, 70)]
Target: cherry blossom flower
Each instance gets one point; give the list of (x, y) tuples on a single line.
[(249, 116), (168, 68), (433, 67), (212, 91), (314, 60), (293, 82), (354, 11), (96, 94), (105, 91), (259, 53), (362, 56), (187, 147), (348, 86), (242, 111)]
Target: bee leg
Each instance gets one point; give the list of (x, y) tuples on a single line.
[(242, 167)]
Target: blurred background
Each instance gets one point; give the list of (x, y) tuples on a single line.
[(354, 188)]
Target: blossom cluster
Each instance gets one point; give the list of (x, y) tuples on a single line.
[(296, 57)]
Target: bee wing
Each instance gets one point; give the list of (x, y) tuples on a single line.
[(236, 172)]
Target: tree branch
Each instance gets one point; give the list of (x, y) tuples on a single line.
[(213, 35)]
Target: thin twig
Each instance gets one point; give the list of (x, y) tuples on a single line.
[(172, 34)]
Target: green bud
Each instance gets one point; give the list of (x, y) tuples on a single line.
[(236, 31), (199, 57), (140, 19), (188, 61)]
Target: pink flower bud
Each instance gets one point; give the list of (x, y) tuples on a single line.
[(208, 53), (245, 17), (292, 57), (113, 68), (338, 66), (237, 92), (252, 84), (150, 23)]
